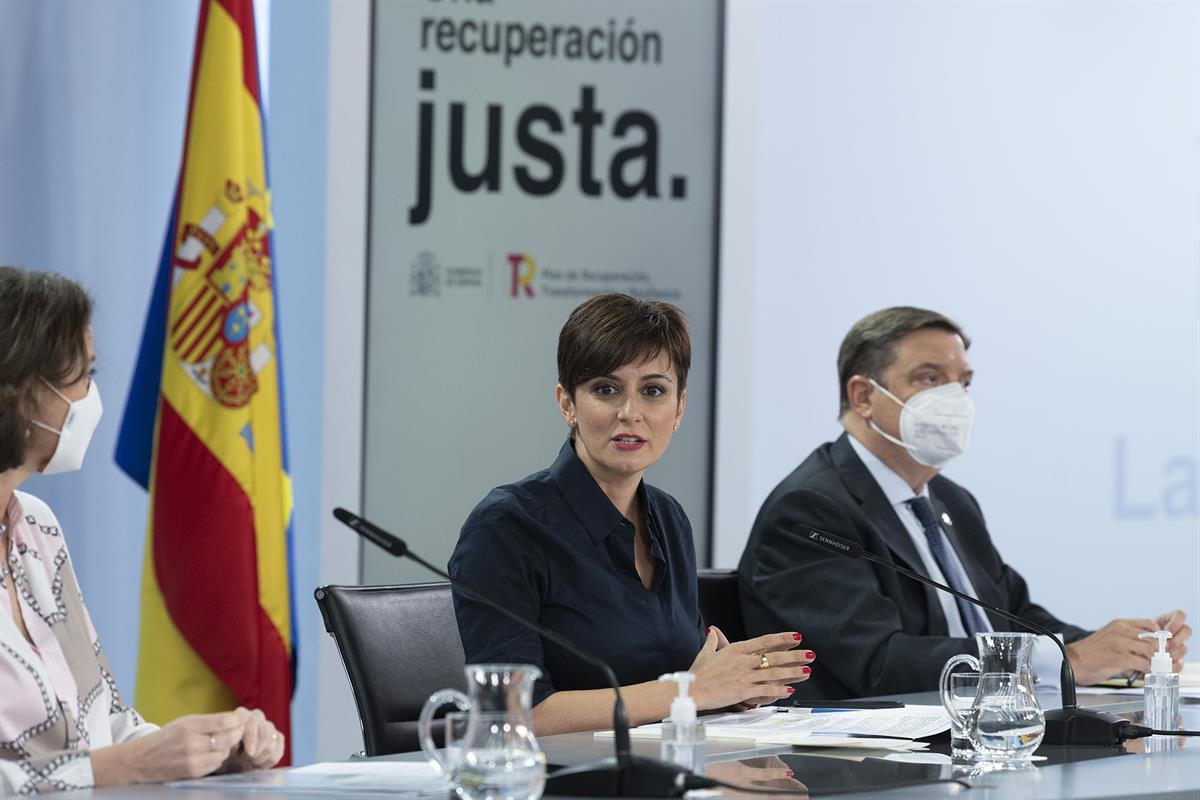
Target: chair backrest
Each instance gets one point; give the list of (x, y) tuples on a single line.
[(399, 645), (720, 602)]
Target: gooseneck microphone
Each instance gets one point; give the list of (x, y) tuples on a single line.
[(1069, 725), (626, 775)]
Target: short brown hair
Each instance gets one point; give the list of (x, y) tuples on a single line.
[(609, 331), (43, 336), (870, 346)]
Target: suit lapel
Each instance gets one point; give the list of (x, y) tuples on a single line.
[(874, 504), (879, 511)]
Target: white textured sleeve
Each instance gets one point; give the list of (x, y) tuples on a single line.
[(67, 769), (48, 772), (127, 724)]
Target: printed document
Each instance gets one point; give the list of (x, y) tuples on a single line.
[(892, 728), (400, 780), (910, 722)]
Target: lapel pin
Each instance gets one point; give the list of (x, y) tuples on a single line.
[(946, 518)]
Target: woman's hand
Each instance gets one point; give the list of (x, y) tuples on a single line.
[(755, 774), (191, 747), (734, 673), (261, 747), (188, 747), (722, 642)]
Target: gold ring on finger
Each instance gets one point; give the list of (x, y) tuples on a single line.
[(763, 663)]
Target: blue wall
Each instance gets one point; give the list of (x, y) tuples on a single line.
[(92, 106), (296, 141)]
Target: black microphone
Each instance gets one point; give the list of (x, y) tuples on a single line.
[(376, 535), (626, 775), (1069, 725)]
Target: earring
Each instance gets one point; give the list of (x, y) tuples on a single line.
[(676, 427)]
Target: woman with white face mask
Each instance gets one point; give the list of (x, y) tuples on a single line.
[(63, 725)]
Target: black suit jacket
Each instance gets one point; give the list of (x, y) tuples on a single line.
[(874, 631)]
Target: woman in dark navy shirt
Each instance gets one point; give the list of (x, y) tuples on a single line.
[(589, 550)]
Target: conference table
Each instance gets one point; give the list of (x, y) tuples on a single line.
[(1072, 773)]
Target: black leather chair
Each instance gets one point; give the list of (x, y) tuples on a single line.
[(720, 602), (399, 645)]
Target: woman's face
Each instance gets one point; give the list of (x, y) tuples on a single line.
[(623, 422), (52, 410)]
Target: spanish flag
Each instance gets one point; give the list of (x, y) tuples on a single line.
[(203, 427)]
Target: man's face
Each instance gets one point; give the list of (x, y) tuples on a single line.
[(924, 359)]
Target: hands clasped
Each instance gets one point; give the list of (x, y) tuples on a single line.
[(751, 672), (201, 744)]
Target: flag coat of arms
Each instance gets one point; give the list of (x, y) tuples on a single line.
[(203, 427)]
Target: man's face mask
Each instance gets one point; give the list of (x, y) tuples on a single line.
[(935, 424)]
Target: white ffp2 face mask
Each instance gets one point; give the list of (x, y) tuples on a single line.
[(935, 424), (82, 418)]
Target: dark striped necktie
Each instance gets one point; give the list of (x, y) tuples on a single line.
[(972, 617)]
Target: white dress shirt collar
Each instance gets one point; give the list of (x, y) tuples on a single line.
[(895, 488)]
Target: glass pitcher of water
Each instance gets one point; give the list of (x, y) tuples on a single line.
[(497, 756), (1005, 722)]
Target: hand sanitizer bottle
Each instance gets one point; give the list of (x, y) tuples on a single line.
[(682, 734), (1161, 695)]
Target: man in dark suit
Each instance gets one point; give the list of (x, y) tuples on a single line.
[(906, 412)]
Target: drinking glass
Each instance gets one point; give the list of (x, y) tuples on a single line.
[(964, 686), (456, 734)]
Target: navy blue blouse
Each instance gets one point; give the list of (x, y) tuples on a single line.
[(553, 548)]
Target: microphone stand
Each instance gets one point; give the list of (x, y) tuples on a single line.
[(624, 775), (1069, 725)]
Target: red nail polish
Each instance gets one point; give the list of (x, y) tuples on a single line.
[(791, 689), (797, 636), (806, 670), (791, 774), (809, 654), (707, 631)]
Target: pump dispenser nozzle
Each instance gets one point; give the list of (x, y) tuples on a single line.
[(1161, 662), (683, 707)]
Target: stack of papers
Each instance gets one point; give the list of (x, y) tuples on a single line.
[(890, 728)]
